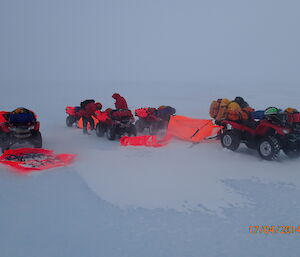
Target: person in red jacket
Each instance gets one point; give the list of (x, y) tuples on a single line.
[(120, 101), (87, 113)]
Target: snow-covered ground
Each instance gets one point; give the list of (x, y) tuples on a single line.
[(174, 201), (134, 201)]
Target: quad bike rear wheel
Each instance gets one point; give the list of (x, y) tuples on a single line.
[(132, 130), (153, 129), (230, 140), (70, 121), (269, 148), (139, 124)]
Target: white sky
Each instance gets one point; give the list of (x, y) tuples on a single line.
[(209, 41)]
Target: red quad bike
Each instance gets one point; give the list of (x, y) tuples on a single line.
[(121, 124), (73, 115), (268, 136), (148, 119), (153, 119), (19, 128), (104, 121)]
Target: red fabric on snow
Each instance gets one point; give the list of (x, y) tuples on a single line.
[(26, 160), (193, 130), (146, 140)]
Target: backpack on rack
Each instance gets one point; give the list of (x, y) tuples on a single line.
[(218, 108), (214, 108), (84, 103), (22, 115)]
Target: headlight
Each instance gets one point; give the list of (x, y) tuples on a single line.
[(286, 131), (12, 129), (229, 126), (31, 127)]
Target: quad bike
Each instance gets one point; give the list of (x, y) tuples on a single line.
[(153, 119), (19, 128), (103, 121), (73, 115), (148, 119), (269, 136), (121, 123)]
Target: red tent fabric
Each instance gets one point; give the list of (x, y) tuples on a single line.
[(26, 160)]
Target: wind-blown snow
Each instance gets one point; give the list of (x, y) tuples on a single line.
[(172, 201), (175, 201)]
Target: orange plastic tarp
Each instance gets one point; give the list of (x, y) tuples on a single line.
[(100, 116), (145, 140), (194, 130), (80, 125)]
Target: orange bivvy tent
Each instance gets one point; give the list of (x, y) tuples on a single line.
[(193, 130)]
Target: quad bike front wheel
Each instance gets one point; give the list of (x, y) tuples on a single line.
[(111, 133), (4, 142), (269, 148), (100, 130), (36, 140), (230, 140)]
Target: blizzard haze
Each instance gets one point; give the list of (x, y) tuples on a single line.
[(225, 42), (175, 201)]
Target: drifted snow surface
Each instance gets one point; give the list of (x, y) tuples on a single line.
[(174, 201)]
